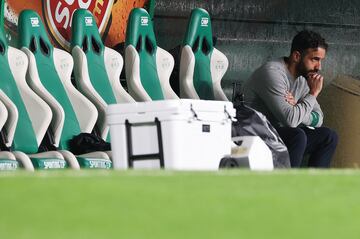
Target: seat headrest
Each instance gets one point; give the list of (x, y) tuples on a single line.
[(33, 34), (199, 34), (140, 32), (85, 32)]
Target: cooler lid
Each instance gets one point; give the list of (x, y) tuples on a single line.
[(172, 107)]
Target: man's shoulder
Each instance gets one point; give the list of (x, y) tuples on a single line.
[(272, 72), (275, 64), (270, 69)]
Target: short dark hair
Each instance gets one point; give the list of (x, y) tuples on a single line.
[(306, 40)]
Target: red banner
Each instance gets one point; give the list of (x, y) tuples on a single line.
[(59, 14), (111, 17)]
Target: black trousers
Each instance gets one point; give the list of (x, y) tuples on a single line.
[(319, 143)]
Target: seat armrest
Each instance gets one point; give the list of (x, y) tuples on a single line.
[(96, 154), (70, 159), (7, 155), (47, 154), (24, 160)]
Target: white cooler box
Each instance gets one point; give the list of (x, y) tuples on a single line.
[(195, 134)]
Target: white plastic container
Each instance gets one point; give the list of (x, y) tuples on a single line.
[(195, 134)]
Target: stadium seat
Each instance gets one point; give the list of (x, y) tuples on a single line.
[(34, 115), (49, 75), (96, 68), (147, 66), (202, 66)]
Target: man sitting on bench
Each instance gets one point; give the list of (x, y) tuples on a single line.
[(285, 90)]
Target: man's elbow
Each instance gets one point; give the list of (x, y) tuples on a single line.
[(291, 124), (291, 119), (288, 122)]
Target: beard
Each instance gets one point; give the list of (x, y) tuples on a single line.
[(303, 71)]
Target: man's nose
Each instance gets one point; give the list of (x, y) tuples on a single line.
[(318, 66)]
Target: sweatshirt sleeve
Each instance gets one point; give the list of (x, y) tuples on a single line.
[(272, 92), (316, 116)]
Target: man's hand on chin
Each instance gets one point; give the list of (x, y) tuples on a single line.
[(315, 82)]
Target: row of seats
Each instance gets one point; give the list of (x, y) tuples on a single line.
[(38, 100)]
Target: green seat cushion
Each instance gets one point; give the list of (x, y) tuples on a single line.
[(34, 37), (140, 35), (199, 37), (85, 34)]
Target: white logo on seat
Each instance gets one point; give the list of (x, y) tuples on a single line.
[(34, 21), (144, 21), (115, 63), (220, 65), (88, 21), (165, 63), (19, 61), (204, 21)]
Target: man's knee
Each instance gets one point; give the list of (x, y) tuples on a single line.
[(299, 136), (330, 136), (294, 138), (333, 137)]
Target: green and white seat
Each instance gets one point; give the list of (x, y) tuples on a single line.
[(33, 114), (97, 68), (49, 75), (147, 66), (202, 66)]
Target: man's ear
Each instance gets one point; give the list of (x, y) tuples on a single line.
[(296, 55)]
